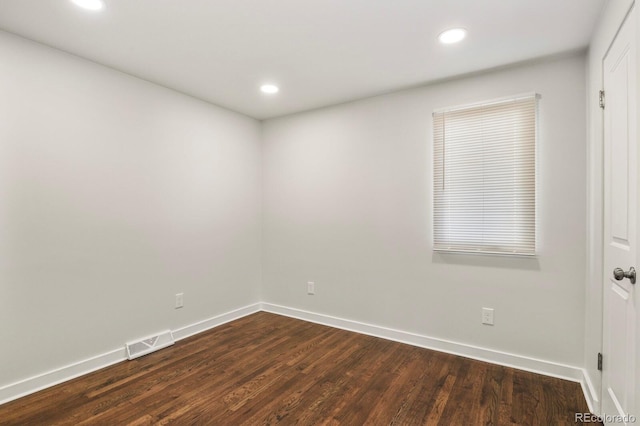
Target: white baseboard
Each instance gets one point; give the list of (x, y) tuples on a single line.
[(590, 393), (520, 362), (199, 327), (51, 378)]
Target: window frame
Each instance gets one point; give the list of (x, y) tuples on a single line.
[(438, 246)]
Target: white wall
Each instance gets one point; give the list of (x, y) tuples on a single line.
[(608, 25), (116, 194), (347, 204)]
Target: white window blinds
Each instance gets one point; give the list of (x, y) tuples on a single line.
[(485, 177)]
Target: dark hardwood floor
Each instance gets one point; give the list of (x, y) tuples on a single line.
[(268, 369)]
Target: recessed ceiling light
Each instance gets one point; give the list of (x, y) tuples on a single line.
[(269, 88), (89, 4), (453, 35)]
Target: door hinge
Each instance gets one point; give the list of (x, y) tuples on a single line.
[(599, 361), (601, 97)]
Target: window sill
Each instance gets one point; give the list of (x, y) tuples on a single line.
[(486, 253)]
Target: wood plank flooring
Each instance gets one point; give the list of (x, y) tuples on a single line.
[(268, 369)]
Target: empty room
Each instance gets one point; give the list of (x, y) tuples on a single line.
[(352, 212)]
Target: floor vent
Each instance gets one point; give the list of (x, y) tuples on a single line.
[(150, 344)]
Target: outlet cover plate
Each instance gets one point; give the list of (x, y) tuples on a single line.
[(487, 316)]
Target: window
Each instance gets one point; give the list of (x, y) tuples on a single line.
[(485, 177)]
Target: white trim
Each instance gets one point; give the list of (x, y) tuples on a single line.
[(520, 362), (488, 102), (199, 327), (68, 372), (59, 375), (590, 393), (485, 253)]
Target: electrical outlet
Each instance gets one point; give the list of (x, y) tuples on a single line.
[(487, 316), (311, 287), (179, 300)]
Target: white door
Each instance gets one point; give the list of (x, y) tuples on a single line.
[(621, 229)]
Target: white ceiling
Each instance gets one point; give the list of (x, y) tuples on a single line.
[(319, 52)]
